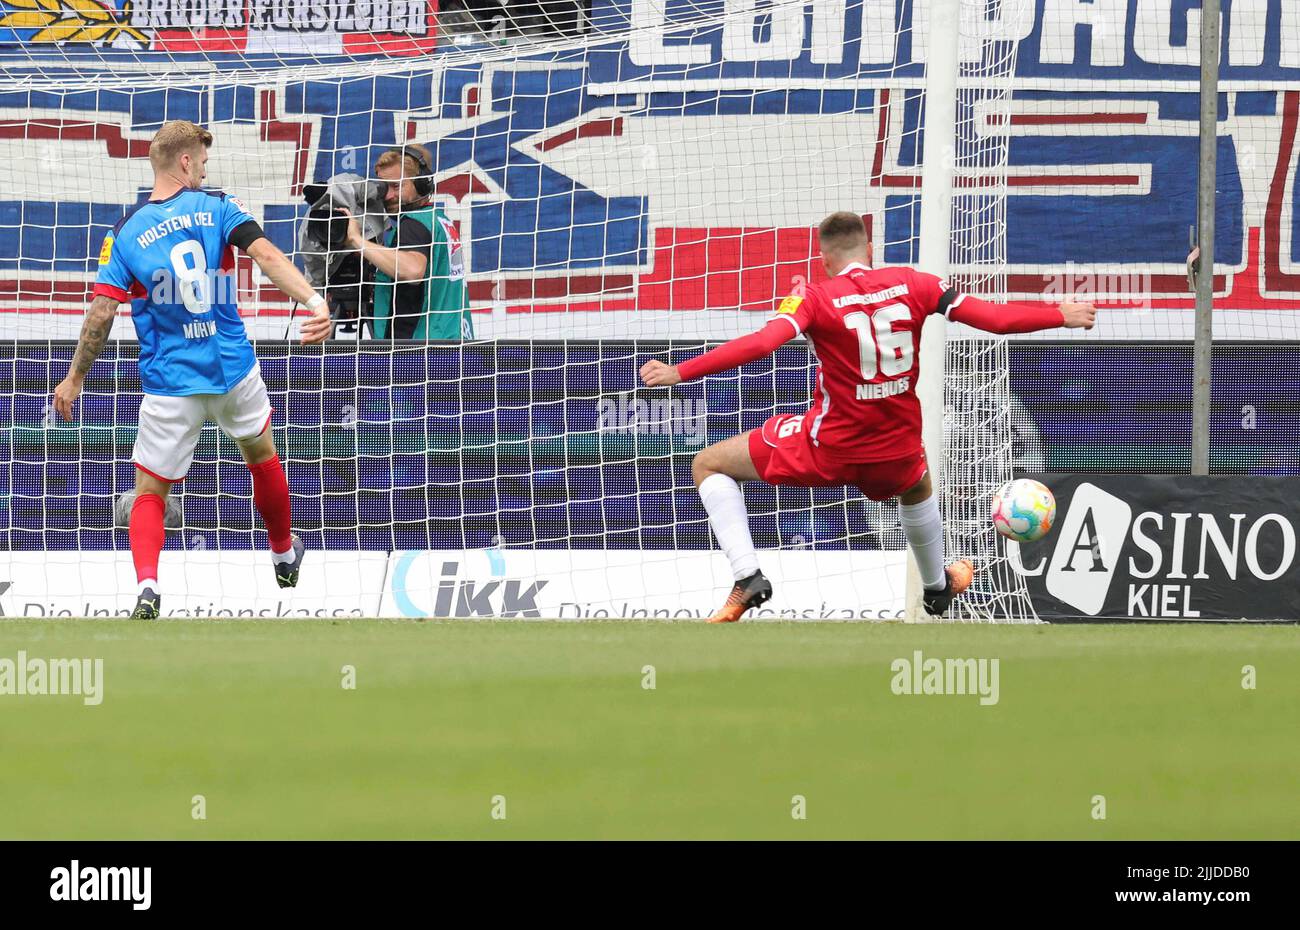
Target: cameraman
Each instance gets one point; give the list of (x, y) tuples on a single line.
[(332, 267), (419, 276)]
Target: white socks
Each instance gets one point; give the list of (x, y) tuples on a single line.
[(730, 522), (924, 528), (278, 558), (147, 583)]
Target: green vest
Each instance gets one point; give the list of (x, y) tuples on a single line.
[(445, 310)]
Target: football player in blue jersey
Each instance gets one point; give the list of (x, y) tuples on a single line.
[(196, 363)]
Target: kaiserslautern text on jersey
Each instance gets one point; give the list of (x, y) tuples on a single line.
[(864, 326)]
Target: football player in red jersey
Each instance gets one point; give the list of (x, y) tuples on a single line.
[(863, 325)]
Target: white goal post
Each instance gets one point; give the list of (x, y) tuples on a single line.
[(964, 384)]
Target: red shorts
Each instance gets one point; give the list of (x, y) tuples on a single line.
[(783, 454)]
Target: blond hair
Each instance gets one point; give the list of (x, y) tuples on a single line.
[(175, 139), (410, 167), (843, 233)]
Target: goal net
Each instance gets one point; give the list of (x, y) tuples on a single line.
[(979, 439), (641, 187)]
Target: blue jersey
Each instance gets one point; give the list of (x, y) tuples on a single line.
[(176, 255)]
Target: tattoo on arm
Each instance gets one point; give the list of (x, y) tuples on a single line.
[(94, 333)]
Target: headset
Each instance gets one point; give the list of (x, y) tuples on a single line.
[(424, 180)]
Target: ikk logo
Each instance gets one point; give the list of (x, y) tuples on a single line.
[(1170, 552), (466, 597)]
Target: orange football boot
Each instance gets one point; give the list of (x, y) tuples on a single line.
[(750, 591), (959, 575)]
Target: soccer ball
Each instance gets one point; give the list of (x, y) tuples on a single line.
[(1023, 510)]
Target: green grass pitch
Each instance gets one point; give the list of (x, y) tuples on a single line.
[(553, 718)]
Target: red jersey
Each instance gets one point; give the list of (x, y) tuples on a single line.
[(864, 327)]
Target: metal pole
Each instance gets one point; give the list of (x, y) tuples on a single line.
[(1201, 350), (941, 67)]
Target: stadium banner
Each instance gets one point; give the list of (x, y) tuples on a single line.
[(466, 584), (196, 584), (1151, 40), (613, 584), (1186, 548), (547, 155), (230, 27)]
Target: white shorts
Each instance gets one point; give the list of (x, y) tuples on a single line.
[(170, 426)]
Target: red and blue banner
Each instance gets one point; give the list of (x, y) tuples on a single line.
[(682, 168)]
